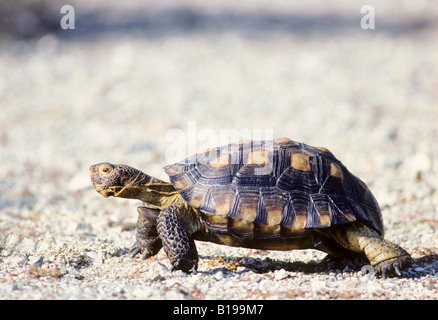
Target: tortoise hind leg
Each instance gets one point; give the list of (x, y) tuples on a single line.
[(175, 233), (386, 257)]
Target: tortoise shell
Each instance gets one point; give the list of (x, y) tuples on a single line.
[(271, 189)]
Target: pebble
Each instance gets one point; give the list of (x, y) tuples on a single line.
[(36, 261), (281, 274)]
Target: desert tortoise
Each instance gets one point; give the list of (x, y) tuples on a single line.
[(273, 195)]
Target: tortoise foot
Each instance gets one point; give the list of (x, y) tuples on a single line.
[(143, 248), (392, 267)]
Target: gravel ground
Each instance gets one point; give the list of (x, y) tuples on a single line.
[(133, 85)]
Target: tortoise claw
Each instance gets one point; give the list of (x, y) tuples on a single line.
[(145, 251), (134, 250), (397, 270)]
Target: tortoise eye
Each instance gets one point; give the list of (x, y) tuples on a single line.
[(105, 169)]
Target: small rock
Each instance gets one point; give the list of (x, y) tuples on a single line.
[(281, 274), (219, 275), (36, 261)]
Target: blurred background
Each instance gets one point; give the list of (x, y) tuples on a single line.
[(134, 76)]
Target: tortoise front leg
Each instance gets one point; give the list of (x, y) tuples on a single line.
[(386, 257), (147, 242), (175, 234)]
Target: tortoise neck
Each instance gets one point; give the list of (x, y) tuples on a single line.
[(150, 190), (161, 194)]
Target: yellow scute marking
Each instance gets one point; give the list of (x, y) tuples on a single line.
[(274, 217), (325, 221), (179, 184), (278, 141), (258, 157), (300, 222), (249, 213), (336, 171), (222, 209), (323, 149), (300, 161), (196, 202)]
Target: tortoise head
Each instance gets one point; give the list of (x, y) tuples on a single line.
[(111, 179)]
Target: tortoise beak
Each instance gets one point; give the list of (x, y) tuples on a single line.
[(94, 174), (96, 180)]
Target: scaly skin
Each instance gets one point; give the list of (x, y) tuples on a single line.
[(148, 242), (386, 257), (178, 243)]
